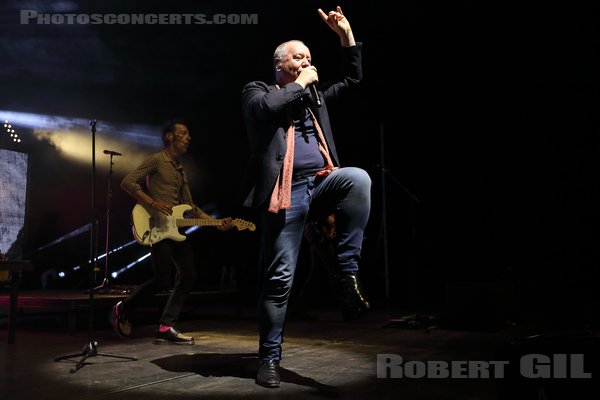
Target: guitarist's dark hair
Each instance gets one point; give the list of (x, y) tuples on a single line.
[(169, 127)]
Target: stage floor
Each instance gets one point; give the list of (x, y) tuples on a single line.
[(323, 357)]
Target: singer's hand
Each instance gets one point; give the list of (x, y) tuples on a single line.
[(339, 24), (308, 76)]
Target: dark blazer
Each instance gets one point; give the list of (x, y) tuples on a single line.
[(267, 118)]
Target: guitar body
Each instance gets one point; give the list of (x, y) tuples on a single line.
[(152, 227)]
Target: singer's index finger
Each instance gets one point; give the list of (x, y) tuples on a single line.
[(322, 15)]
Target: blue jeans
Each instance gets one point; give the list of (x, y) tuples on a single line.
[(345, 192)]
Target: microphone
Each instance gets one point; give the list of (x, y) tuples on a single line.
[(112, 153), (315, 95)]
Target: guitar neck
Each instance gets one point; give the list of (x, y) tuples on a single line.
[(198, 222)]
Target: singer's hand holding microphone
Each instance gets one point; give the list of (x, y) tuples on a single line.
[(309, 78)]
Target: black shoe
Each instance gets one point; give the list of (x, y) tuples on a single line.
[(120, 322), (268, 374), (172, 336), (353, 302)]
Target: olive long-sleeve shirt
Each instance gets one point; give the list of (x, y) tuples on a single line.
[(161, 178)]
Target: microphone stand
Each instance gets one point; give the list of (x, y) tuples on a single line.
[(106, 286), (91, 348), (415, 320)]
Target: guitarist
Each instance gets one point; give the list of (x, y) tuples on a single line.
[(159, 183)]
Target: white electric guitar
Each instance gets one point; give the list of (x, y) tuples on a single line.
[(149, 228)]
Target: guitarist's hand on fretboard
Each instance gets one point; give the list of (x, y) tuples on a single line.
[(227, 224)]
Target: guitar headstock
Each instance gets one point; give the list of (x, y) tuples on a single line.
[(241, 224)]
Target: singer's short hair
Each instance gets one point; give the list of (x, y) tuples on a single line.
[(281, 51), (169, 127)]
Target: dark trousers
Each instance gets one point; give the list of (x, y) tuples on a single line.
[(167, 254)]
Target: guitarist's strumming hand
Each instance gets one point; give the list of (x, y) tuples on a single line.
[(162, 206)]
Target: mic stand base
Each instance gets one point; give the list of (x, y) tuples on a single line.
[(90, 350), (107, 288)]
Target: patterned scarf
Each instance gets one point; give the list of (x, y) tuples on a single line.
[(281, 196)]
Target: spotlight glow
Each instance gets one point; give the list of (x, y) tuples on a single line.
[(72, 136)]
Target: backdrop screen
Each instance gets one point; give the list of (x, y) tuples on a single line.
[(13, 194)]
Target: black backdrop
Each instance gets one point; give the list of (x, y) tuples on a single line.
[(489, 115)]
